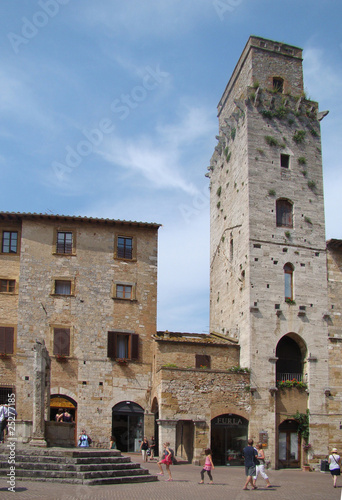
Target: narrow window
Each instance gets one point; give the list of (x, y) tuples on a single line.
[(288, 276), (125, 247), (284, 213), (9, 242), (123, 345), (64, 242), (7, 286), (203, 361), (124, 291), (6, 339), (61, 341), (284, 161), (62, 287), (278, 84)]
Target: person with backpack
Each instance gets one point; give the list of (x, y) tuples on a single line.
[(167, 460)]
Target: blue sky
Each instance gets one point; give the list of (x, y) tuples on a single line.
[(108, 109)]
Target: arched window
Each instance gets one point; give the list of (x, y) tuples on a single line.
[(284, 210), (288, 278)]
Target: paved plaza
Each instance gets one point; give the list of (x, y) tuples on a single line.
[(228, 483)]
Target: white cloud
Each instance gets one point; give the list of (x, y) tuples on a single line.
[(163, 160)]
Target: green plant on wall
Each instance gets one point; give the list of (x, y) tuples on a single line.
[(233, 133), (299, 136), (303, 420), (271, 141), (312, 185), (271, 192), (301, 160), (219, 190)]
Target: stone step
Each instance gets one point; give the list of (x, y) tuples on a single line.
[(75, 466)]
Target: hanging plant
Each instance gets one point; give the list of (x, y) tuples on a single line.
[(303, 425)]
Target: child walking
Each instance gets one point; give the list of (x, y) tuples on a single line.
[(208, 465), (167, 461)]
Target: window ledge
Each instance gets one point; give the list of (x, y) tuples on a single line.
[(62, 295), (124, 300), (9, 293), (64, 254), (125, 260)]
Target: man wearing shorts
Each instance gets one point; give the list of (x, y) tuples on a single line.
[(250, 454)]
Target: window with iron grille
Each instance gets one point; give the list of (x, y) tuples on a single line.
[(125, 247), (61, 341), (9, 242), (123, 345), (284, 210), (5, 392), (7, 286), (6, 339), (64, 242)]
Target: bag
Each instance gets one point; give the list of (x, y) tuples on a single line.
[(148, 452), (90, 440), (173, 458)]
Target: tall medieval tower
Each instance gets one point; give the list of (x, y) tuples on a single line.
[(268, 250)]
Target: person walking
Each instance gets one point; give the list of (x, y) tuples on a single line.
[(260, 466), (152, 447), (208, 465), (143, 448), (250, 454), (167, 460), (334, 465)]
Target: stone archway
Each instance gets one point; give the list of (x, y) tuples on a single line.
[(128, 425)]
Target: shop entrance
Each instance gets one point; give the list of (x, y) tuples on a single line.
[(128, 426), (289, 445), (228, 438)]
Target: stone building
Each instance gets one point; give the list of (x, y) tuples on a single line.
[(87, 288), (269, 285)]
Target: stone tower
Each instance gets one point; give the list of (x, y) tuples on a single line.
[(268, 249)]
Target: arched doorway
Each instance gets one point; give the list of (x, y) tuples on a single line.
[(289, 445), (228, 438), (128, 425), (61, 401)]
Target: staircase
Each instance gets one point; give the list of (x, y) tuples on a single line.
[(88, 467)]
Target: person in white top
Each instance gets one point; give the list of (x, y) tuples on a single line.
[(5, 411), (334, 465)]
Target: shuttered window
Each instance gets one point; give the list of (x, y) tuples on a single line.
[(6, 339), (123, 345), (61, 341)]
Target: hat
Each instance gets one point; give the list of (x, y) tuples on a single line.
[(334, 450)]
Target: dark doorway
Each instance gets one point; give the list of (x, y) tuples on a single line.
[(185, 439), (288, 445), (128, 426), (228, 438)]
